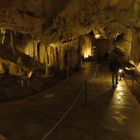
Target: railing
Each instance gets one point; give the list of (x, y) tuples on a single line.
[(132, 77), (137, 80), (83, 90)]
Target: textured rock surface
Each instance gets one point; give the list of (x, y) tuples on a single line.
[(55, 20)]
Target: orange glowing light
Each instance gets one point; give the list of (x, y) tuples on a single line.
[(30, 74), (87, 53)]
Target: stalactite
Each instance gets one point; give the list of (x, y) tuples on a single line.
[(3, 35), (29, 48), (55, 56), (70, 54), (47, 61), (61, 58), (12, 42), (51, 57), (42, 53), (57, 60), (35, 45)]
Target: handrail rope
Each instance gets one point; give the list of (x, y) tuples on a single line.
[(130, 76), (137, 81), (64, 115), (96, 70)]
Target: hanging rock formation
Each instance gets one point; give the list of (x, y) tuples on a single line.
[(58, 21)]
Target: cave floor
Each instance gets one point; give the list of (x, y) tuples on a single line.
[(10, 85), (108, 114)]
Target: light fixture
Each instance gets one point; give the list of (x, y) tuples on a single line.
[(97, 36), (120, 70), (30, 74)]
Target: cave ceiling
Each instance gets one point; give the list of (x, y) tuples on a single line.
[(60, 20)]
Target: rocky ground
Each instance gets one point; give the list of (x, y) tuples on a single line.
[(11, 87)]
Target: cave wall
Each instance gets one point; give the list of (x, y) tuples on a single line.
[(135, 46), (57, 20), (62, 55), (125, 45), (14, 46), (55, 56)]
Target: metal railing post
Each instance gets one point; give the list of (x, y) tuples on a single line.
[(67, 69), (85, 97), (132, 84)]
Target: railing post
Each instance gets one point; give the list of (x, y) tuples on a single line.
[(132, 84), (67, 69), (85, 97)]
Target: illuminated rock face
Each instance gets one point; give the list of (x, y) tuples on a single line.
[(53, 57), (57, 56), (87, 47), (13, 68), (54, 20)]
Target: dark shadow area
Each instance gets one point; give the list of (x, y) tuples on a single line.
[(134, 88), (10, 87), (104, 99)]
